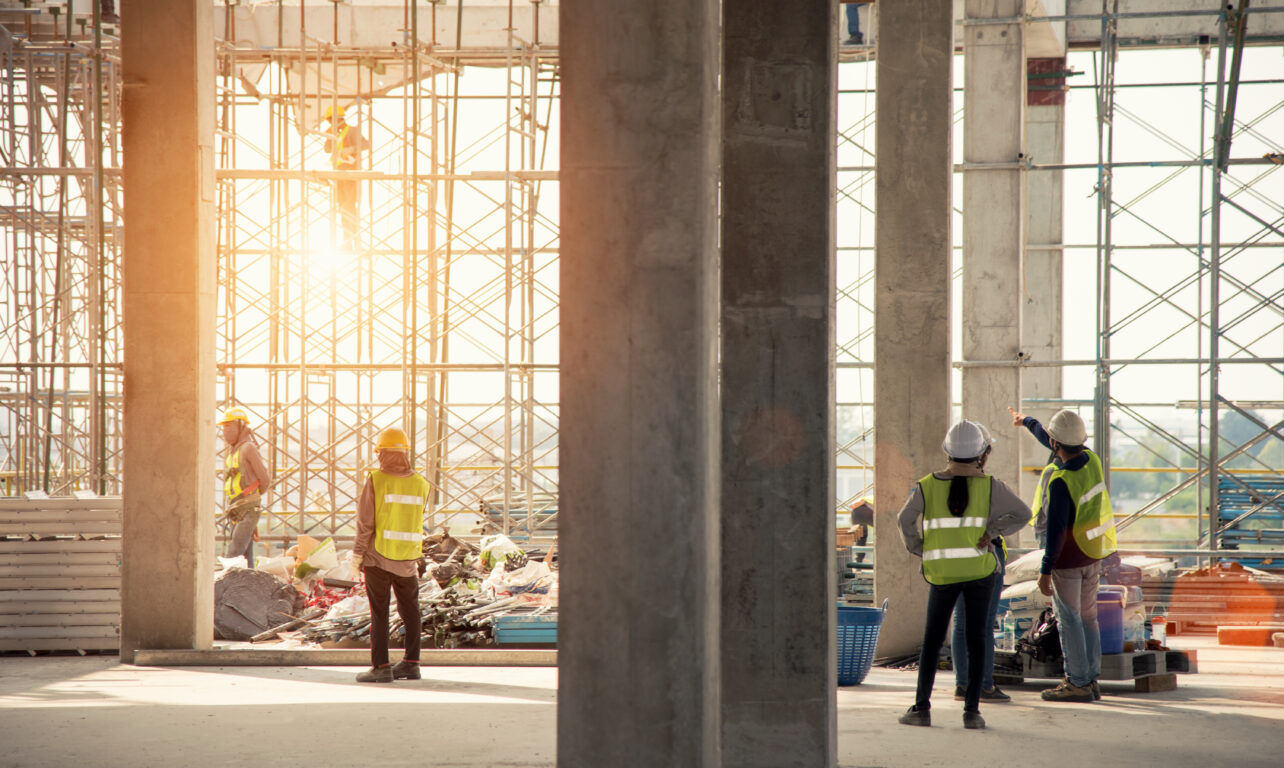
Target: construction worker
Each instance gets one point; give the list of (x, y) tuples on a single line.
[(245, 480), (344, 143), (388, 548), (1080, 533), (960, 511)]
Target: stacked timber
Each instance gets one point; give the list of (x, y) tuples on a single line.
[(60, 574), (1201, 599)]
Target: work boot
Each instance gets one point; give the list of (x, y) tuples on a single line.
[(916, 716), (973, 720), (406, 670), (1096, 691), (1067, 691), (376, 675)]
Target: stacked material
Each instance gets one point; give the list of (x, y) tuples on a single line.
[(1228, 593)]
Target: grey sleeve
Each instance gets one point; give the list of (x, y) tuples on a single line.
[(1008, 514), (908, 520)]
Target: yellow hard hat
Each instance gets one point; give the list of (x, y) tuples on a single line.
[(234, 414), (336, 111), (393, 439)]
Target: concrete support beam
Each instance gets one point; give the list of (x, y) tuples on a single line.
[(778, 588), (993, 218), (914, 177), (1045, 115), (638, 629), (167, 591)]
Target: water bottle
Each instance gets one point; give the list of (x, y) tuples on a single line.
[(1158, 630), (1009, 631)]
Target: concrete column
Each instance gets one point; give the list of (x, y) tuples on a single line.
[(778, 588), (638, 628), (993, 219), (914, 177), (167, 591), (1045, 114)]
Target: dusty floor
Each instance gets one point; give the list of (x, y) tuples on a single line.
[(92, 711)]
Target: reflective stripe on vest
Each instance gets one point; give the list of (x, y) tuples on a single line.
[(399, 515), (1094, 520), (950, 553)]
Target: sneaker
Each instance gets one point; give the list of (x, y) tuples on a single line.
[(916, 716), (1096, 691), (960, 693), (376, 675), (994, 694), (404, 670), (973, 720), (855, 40), (1067, 691)]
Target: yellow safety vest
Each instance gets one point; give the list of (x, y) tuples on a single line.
[(1094, 519), (399, 514), (950, 553), (232, 486)]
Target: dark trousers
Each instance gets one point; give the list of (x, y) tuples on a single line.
[(940, 604), (379, 583)]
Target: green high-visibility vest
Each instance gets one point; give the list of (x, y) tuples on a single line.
[(950, 553), (399, 514), (232, 486), (1094, 519)]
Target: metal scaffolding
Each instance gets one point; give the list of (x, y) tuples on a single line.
[(442, 316)]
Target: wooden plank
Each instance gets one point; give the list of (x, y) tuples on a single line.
[(11, 504), (67, 571), (61, 595), (64, 620), (109, 607), (75, 559), (80, 644), (70, 517), (95, 528), (66, 546), (24, 583), (57, 633)]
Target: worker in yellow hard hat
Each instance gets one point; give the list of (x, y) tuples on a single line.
[(245, 480), (388, 549), (344, 143)]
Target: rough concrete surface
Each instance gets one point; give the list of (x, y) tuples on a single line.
[(72, 711)]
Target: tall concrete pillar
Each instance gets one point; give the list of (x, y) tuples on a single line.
[(993, 218), (167, 592), (1045, 114), (778, 581), (914, 177), (638, 627)]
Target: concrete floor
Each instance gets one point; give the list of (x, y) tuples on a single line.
[(92, 711)]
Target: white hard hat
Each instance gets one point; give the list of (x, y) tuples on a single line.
[(965, 440), (1067, 428)]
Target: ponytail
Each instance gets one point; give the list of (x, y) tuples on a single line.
[(957, 500)]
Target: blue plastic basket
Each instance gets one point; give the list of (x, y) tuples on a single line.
[(857, 637)]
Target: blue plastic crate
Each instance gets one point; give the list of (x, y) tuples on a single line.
[(526, 630), (857, 638)]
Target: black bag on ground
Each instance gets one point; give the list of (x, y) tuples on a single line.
[(1043, 642)]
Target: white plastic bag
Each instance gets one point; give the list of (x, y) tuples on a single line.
[(281, 567), (349, 606), (228, 563), (322, 558), (345, 571)]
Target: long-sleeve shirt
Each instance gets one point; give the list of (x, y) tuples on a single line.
[(363, 547), (1060, 549), (1008, 514)]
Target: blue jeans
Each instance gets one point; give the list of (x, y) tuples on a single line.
[(958, 643), (1074, 599), (853, 19)]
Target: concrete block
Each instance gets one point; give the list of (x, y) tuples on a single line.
[(1127, 666), (1185, 662), (1156, 683), (1248, 635)]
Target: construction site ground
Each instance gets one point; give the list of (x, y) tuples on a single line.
[(92, 710)]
